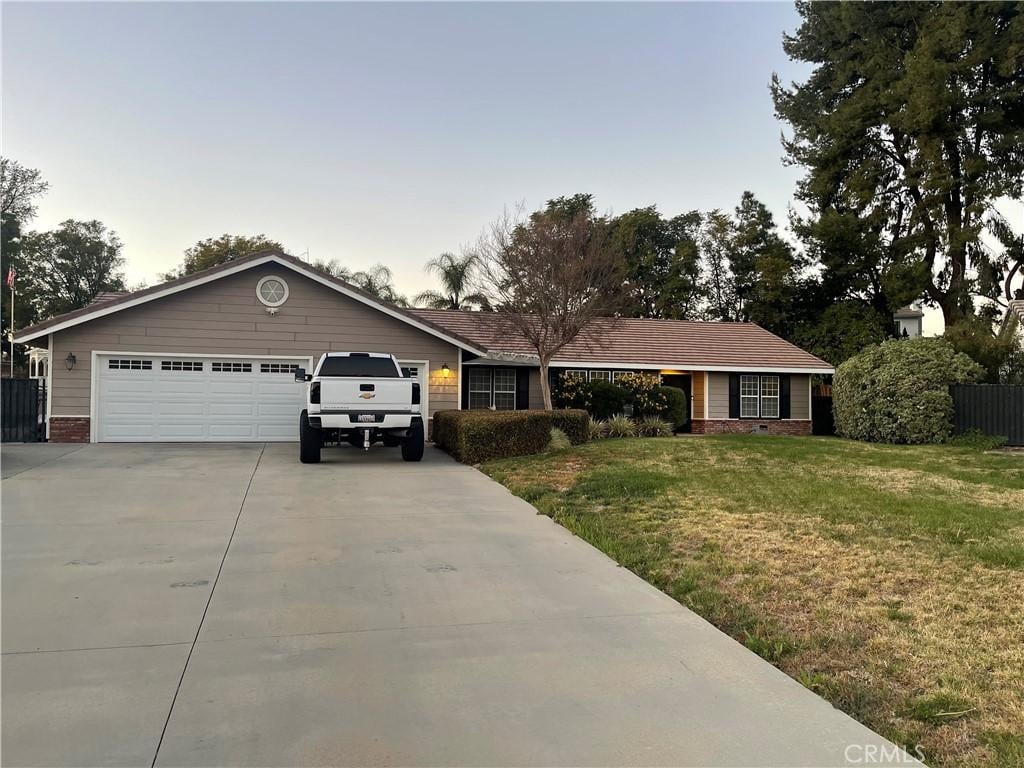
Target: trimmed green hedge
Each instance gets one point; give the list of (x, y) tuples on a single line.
[(476, 436), (898, 391), (575, 422)]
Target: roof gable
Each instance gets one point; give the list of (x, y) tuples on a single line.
[(115, 304)]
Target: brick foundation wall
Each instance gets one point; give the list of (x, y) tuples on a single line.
[(743, 426), (69, 429)]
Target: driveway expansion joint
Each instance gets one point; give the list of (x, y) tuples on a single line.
[(209, 599)]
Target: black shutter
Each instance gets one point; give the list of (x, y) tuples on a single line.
[(734, 395), (464, 373), (783, 397), (522, 389)]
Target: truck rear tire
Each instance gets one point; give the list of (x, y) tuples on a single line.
[(310, 441), (412, 443)]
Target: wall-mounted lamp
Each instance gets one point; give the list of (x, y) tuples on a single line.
[(70, 360), (445, 370)]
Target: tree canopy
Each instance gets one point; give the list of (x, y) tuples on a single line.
[(218, 250), (910, 126), (68, 266), (458, 281)]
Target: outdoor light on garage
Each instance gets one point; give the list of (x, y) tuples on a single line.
[(70, 360), (445, 370)]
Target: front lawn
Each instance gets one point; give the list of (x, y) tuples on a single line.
[(888, 579)]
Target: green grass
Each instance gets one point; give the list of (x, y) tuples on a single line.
[(885, 578)]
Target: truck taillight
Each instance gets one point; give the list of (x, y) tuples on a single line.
[(415, 393), (314, 392)]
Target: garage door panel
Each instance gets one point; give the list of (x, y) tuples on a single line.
[(234, 409), (181, 398), (195, 409)]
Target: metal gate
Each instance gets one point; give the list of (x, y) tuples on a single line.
[(995, 409), (22, 410)]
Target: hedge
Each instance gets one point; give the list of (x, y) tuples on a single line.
[(575, 422), (476, 436), (898, 391)]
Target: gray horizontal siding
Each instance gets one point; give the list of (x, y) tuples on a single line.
[(718, 396), (225, 317)]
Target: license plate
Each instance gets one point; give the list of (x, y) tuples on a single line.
[(367, 417)]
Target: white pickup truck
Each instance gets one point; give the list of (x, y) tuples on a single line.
[(360, 398)]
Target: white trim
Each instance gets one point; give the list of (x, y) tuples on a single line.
[(49, 387), (458, 383), (425, 389), (94, 375), (259, 291), (685, 368), (707, 386), (810, 401), (103, 311)]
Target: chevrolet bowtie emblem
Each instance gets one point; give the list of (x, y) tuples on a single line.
[(367, 395)]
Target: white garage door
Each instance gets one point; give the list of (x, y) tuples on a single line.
[(156, 398)]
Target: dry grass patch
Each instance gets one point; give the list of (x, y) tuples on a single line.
[(886, 579)]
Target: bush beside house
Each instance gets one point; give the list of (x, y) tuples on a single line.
[(898, 391), (476, 436)]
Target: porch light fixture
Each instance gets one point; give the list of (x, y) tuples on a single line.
[(70, 360), (445, 370)]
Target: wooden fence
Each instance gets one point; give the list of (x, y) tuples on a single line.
[(995, 409)]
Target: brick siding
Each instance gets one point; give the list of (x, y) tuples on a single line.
[(775, 426), (69, 429)]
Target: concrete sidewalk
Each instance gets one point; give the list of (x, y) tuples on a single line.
[(363, 611)]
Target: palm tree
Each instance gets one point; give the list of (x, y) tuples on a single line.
[(378, 281), (456, 284)]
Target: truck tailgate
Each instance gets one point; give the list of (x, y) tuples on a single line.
[(354, 393)]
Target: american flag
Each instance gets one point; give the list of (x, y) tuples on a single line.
[(11, 274)]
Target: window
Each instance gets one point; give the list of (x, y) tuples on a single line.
[(576, 373), (492, 388), (359, 365), (410, 372), (505, 389), (616, 375), (130, 365), (278, 367), (601, 375), (180, 365), (272, 291), (759, 397), (231, 367), (748, 397), (769, 397), (479, 388)]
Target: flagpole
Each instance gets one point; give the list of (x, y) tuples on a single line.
[(12, 330)]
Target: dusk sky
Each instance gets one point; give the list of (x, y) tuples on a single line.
[(385, 133)]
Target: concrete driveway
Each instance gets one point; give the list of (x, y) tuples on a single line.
[(224, 604)]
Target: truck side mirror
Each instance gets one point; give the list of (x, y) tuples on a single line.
[(300, 374)]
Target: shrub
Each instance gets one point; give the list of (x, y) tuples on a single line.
[(676, 408), (898, 391), (572, 392), (606, 399), (574, 422), (476, 436), (559, 440), (598, 429), (621, 426), (643, 392), (654, 426)]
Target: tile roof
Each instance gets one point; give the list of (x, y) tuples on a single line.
[(635, 341)]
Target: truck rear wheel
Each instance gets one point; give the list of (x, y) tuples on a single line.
[(310, 441), (412, 443)]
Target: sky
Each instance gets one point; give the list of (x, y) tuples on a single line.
[(386, 132)]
